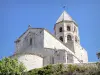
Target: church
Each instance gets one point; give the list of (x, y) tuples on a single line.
[(37, 47)]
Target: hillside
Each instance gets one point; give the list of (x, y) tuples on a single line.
[(70, 69)]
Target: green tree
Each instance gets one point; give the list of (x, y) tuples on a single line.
[(98, 55), (10, 66)]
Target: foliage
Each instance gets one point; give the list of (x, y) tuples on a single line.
[(47, 70), (61, 69), (10, 66)]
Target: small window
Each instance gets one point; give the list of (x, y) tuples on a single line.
[(30, 41), (60, 29), (52, 60), (76, 39), (67, 57), (61, 38), (75, 29), (58, 56), (68, 28), (69, 37)]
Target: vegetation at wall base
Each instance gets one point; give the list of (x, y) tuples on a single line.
[(70, 69), (10, 66)]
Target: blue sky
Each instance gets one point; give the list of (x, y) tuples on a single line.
[(16, 15)]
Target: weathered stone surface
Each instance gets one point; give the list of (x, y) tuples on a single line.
[(37, 47)]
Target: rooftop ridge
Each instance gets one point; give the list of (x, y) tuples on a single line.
[(64, 16)]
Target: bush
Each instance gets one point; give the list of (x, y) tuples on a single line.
[(47, 70), (10, 66), (61, 69)]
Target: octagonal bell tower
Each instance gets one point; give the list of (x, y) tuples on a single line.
[(66, 30)]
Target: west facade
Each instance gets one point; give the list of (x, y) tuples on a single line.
[(37, 47)]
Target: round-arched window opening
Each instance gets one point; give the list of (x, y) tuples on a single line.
[(68, 28), (60, 29), (69, 38), (76, 39), (75, 29), (30, 41), (61, 38)]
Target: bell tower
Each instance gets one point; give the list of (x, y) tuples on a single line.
[(66, 30)]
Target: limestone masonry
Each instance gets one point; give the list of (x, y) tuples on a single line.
[(37, 47)]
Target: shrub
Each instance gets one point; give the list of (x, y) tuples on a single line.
[(60, 69), (10, 66)]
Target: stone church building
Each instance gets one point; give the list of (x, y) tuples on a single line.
[(37, 47)]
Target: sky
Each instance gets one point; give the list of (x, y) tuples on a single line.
[(16, 15)]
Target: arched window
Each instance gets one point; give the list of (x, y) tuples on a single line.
[(68, 28), (30, 41), (52, 60), (75, 29), (60, 29), (61, 38), (69, 37), (76, 39)]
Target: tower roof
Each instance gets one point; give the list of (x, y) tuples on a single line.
[(64, 16)]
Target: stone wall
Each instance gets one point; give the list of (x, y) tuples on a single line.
[(30, 61), (81, 53), (35, 34), (53, 43)]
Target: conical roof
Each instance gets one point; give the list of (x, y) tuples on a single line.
[(64, 16)]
